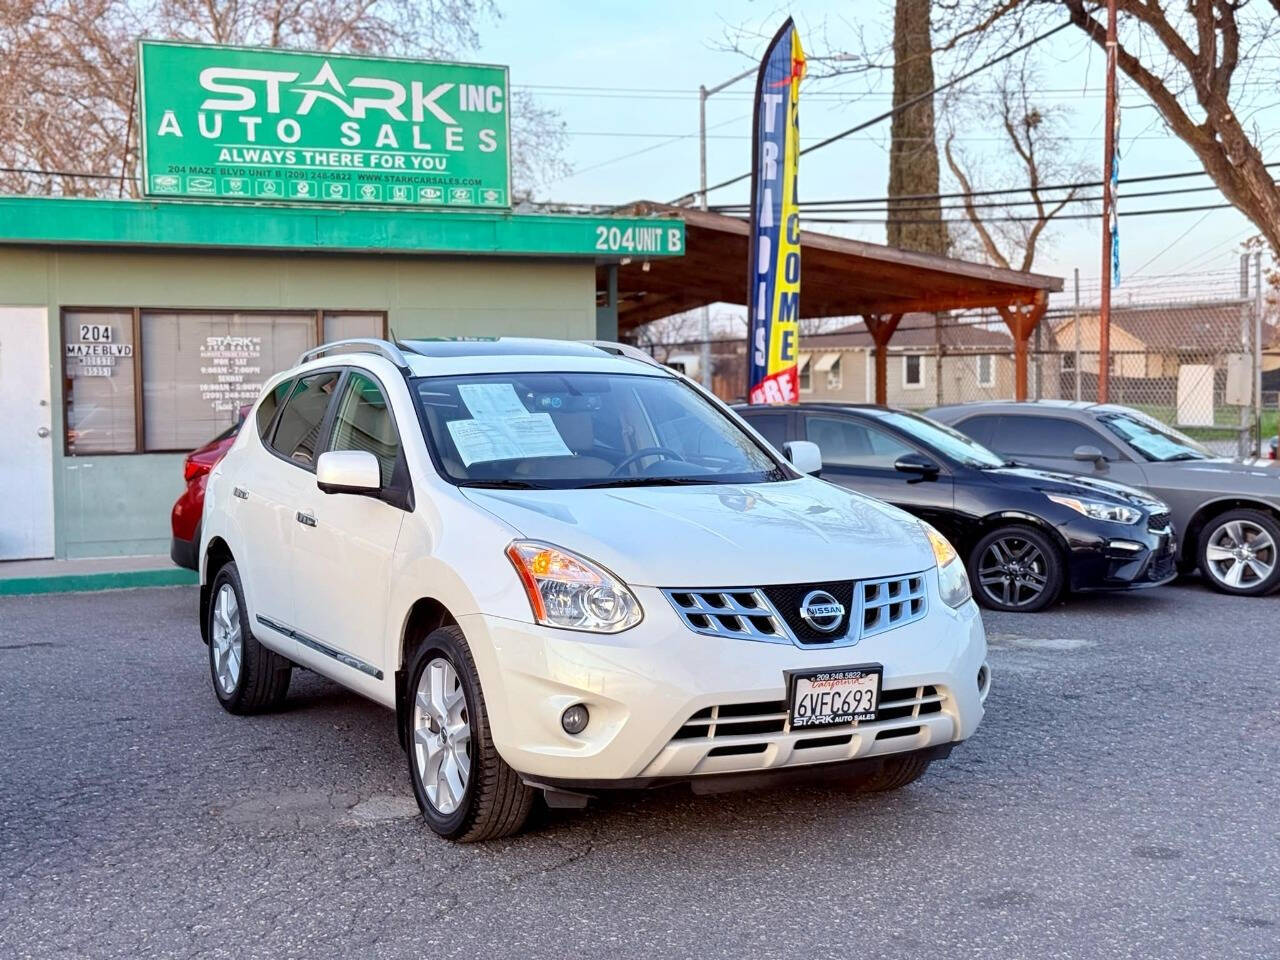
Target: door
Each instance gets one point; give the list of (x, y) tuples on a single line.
[(1050, 442), (344, 546), (26, 435), (860, 455), (270, 486)]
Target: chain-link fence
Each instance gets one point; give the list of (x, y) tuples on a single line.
[(1192, 364)]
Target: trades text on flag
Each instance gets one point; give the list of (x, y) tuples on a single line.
[(773, 299)]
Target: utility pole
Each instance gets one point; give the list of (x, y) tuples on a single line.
[(1108, 202), (1077, 328), (1257, 350), (704, 326)]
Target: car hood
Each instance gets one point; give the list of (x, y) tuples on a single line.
[(726, 535), (1067, 483), (1253, 477)]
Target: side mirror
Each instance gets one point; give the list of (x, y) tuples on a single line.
[(804, 456), (348, 471), (1088, 453), (918, 465)]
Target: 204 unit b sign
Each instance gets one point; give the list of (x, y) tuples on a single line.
[(237, 123)]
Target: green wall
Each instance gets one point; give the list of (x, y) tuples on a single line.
[(110, 505)]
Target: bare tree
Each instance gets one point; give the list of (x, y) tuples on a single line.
[(913, 144), (1007, 232), (67, 83), (1192, 60)]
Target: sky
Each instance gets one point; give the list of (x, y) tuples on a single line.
[(624, 78)]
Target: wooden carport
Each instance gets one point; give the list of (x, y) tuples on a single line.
[(839, 278)]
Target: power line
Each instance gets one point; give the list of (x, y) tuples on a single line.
[(1065, 216), (1048, 188), (910, 102)]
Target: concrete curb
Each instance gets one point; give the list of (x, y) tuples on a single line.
[(107, 580)]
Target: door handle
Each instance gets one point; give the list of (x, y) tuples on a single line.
[(42, 432), (306, 519), (240, 492)]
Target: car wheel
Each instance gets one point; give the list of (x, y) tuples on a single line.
[(247, 677), (894, 774), (1238, 552), (1016, 568), (464, 788)]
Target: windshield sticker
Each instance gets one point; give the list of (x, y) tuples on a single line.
[(515, 438), (488, 401)]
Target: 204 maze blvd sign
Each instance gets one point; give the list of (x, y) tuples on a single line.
[(236, 123)]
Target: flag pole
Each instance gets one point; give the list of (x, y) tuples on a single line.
[(1108, 204)]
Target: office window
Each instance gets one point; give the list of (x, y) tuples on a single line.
[(199, 369), (350, 326), (986, 370), (98, 381), (913, 370)]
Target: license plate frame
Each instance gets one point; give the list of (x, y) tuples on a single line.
[(804, 682)]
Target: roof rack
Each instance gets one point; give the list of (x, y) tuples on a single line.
[(626, 351), (383, 348)]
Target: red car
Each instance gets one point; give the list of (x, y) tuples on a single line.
[(185, 518)]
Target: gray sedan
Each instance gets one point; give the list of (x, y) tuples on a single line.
[(1227, 512)]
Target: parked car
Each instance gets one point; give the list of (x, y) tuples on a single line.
[(1026, 535), (1226, 511), (568, 569), (184, 519)]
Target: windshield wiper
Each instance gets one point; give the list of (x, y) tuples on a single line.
[(503, 484), (650, 482), (1188, 455)]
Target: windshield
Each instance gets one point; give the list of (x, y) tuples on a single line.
[(577, 430), (948, 442), (1152, 439)]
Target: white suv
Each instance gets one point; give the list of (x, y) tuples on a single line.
[(568, 569)]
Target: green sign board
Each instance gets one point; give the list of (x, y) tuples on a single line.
[(239, 123)]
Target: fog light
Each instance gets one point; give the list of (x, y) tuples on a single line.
[(574, 719), (1127, 546)]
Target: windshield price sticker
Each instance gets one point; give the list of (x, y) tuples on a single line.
[(514, 438), (488, 401), (835, 696)]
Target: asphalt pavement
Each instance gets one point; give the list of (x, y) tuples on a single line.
[(1121, 799)]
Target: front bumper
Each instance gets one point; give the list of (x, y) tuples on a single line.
[(644, 685), (1111, 556)]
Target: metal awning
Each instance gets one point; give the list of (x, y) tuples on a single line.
[(826, 362)]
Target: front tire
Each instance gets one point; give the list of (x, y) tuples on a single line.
[(247, 677), (465, 790), (1238, 552), (1017, 569)]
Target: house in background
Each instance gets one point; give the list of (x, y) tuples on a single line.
[(975, 362)]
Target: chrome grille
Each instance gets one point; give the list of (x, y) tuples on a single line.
[(772, 614), (891, 602), (1158, 522)]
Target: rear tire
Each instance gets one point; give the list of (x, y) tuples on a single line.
[(451, 751), (1237, 553), (247, 677), (894, 774), (1018, 569)]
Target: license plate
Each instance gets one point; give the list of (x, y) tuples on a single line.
[(836, 695)]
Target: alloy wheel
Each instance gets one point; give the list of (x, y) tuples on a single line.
[(442, 735), (1012, 571), (226, 643), (1240, 554)]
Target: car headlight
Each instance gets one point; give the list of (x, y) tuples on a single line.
[(1098, 510), (566, 590), (953, 581)]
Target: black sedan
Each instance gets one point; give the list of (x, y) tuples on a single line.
[(1027, 535)]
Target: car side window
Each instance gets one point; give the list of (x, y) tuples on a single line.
[(846, 442), (771, 426), (364, 422), (983, 429), (297, 435), (269, 405), (1030, 436)]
